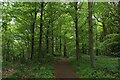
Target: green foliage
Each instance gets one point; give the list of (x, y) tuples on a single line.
[(102, 69), (17, 23), (112, 43), (31, 70)]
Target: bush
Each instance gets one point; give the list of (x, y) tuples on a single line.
[(112, 43)]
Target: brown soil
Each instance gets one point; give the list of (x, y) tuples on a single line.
[(64, 70), (7, 71)]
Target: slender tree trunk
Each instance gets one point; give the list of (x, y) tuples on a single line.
[(82, 43), (41, 30), (8, 51), (119, 36), (65, 54), (90, 34), (52, 40), (96, 43), (76, 33), (60, 41), (28, 50), (56, 47), (47, 40), (119, 16), (22, 53), (104, 35), (104, 30), (32, 41)]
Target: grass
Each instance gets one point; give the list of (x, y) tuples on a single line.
[(106, 67), (29, 70)]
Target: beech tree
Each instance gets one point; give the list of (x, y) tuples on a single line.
[(90, 34)]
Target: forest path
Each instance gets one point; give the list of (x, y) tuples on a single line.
[(64, 70)]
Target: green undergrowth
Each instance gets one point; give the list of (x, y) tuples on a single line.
[(31, 69), (105, 67)]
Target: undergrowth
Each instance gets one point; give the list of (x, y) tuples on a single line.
[(105, 67)]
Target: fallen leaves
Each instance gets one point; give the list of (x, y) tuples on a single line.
[(7, 71)]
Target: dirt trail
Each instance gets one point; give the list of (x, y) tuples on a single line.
[(64, 70)]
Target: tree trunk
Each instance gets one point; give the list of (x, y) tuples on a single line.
[(104, 30), (65, 46), (32, 41), (52, 40), (119, 36), (76, 32), (41, 25), (104, 35), (119, 15), (82, 43), (90, 34), (60, 41), (47, 40), (8, 51), (96, 43), (56, 46)]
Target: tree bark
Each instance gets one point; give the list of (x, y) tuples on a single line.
[(60, 42), (47, 40), (76, 32), (32, 41), (56, 46), (52, 40), (8, 50), (119, 16), (41, 25), (90, 34), (119, 36), (104, 30), (103, 37), (65, 54), (96, 43)]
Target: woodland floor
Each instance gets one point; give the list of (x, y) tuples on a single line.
[(64, 70), (61, 67)]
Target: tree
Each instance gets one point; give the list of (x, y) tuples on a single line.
[(47, 38), (60, 41), (90, 34), (65, 52), (32, 41), (119, 15), (41, 30), (76, 31)]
